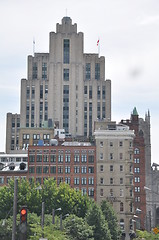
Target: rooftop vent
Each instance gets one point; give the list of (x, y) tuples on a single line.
[(1, 166), (22, 166), (53, 142), (11, 166)]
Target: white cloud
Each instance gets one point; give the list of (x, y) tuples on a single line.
[(150, 20)]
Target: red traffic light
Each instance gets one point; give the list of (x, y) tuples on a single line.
[(23, 211), (23, 215)]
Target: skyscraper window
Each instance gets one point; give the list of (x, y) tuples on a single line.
[(66, 51), (88, 71), (97, 71), (66, 74)]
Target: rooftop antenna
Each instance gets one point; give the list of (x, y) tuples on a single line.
[(66, 12)]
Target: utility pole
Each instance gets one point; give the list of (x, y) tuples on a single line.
[(14, 209), (61, 222), (53, 216), (42, 217)]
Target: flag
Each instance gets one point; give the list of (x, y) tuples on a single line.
[(98, 42)]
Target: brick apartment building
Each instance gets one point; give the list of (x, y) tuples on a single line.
[(141, 165), (71, 162)]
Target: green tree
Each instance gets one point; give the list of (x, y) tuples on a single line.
[(111, 218), (146, 235), (50, 231), (70, 201), (78, 229), (34, 229), (6, 228), (96, 219), (26, 195), (54, 197), (6, 201)]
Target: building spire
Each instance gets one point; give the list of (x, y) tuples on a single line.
[(135, 111)]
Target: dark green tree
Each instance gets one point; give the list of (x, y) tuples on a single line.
[(146, 235), (78, 229), (70, 201), (96, 219), (6, 201), (6, 228), (34, 229), (54, 197), (111, 218), (50, 231)]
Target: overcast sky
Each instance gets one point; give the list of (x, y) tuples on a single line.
[(129, 39)]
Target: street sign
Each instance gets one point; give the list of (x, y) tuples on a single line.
[(156, 230)]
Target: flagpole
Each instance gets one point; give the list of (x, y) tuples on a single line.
[(33, 46), (98, 45), (98, 50)]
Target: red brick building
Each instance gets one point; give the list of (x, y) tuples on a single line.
[(139, 166), (73, 163)]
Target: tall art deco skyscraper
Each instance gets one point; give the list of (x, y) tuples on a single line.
[(65, 87)]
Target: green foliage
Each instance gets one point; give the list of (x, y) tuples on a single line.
[(50, 231), (98, 223), (96, 219), (78, 229), (49, 193), (70, 201), (6, 228), (34, 229), (111, 218), (54, 197), (6, 201), (146, 235)]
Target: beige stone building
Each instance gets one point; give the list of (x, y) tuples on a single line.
[(18, 138), (12, 132), (114, 147), (65, 88)]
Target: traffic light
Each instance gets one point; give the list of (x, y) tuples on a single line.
[(23, 215), (23, 223)]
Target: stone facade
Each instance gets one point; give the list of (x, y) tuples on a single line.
[(152, 194), (114, 146), (65, 86), (12, 132)]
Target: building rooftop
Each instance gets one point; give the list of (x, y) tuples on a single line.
[(76, 144)]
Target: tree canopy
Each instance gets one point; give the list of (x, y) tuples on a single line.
[(54, 196), (111, 218), (96, 219), (86, 221)]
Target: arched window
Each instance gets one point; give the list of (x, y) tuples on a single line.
[(136, 151)]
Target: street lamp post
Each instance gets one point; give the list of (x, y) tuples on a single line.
[(66, 215), (53, 214), (42, 217)]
